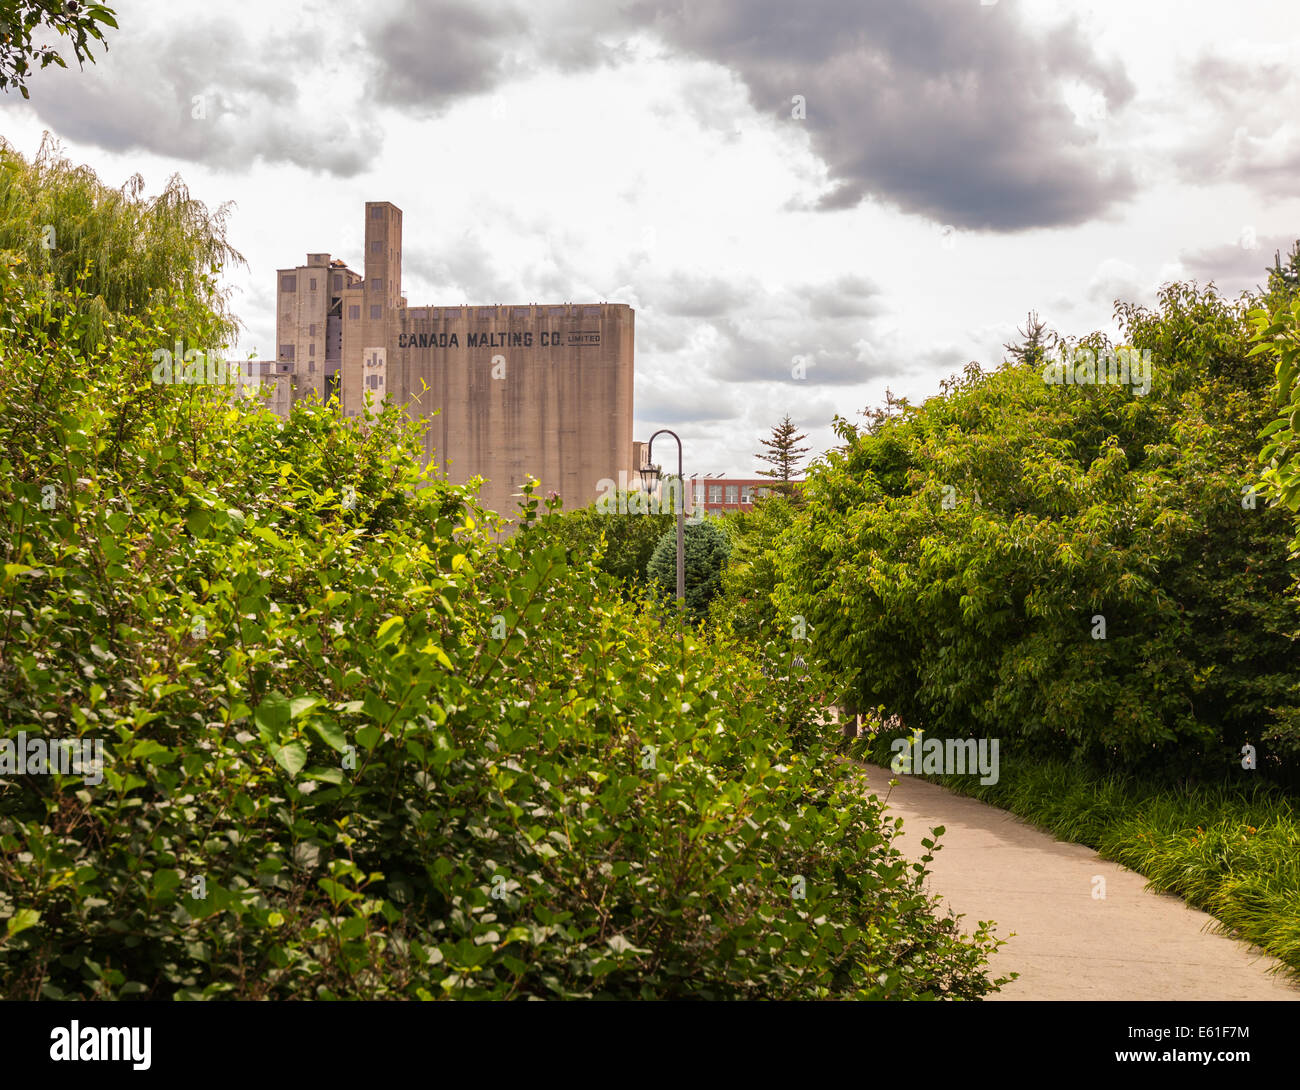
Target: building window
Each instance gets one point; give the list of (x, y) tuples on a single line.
[(376, 286), (732, 490), (377, 213), (354, 313), (338, 282), (286, 352), (311, 349), (311, 366), (715, 493), (747, 493), (377, 247), (311, 286), (288, 283), (311, 330), (376, 312)]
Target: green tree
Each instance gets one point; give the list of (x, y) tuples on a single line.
[(706, 551), (1078, 567), (22, 20), (617, 535), (783, 454), (750, 575), (110, 252), (1036, 341), (1276, 337)]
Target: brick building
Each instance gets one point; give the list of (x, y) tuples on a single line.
[(719, 495)]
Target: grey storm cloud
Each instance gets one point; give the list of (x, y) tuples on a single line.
[(427, 53), (951, 111), (434, 52), (700, 297), (201, 91), (834, 354), (1247, 132), (847, 297)]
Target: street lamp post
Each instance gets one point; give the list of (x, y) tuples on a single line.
[(651, 471)]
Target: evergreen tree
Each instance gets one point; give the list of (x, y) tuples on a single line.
[(706, 551), (1037, 342), (783, 453)]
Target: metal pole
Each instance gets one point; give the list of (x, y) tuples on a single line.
[(681, 509), (681, 550)]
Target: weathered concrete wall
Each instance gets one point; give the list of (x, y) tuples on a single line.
[(506, 390), (541, 390)]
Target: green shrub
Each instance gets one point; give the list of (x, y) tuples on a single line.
[(750, 575), (354, 749), (706, 549), (959, 559), (618, 536)]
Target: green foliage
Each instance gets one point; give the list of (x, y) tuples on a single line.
[(21, 20), (706, 549), (954, 560), (1277, 338), (618, 535), (354, 749), (106, 251), (750, 575)]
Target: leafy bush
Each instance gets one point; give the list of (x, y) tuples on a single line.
[(618, 540), (750, 575), (957, 558), (706, 549), (354, 749)]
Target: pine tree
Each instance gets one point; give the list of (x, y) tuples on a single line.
[(783, 454), (1037, 340), (1283, 279)]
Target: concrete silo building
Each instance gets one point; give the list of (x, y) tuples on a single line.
[(540, 389)]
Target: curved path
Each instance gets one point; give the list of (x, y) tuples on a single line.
[(1133, 944)]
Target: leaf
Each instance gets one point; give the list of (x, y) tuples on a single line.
[(152, 752), (621, 945), (269, 535), (331, 734), (389, 631), (273, 714), (22, 920), (198, 522), (291, 757)]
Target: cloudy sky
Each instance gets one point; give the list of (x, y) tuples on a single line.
[(867, 193)]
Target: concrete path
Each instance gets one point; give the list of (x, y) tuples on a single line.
[(1134, 944)]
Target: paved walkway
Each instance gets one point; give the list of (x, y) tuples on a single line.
[(1134, 944)]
